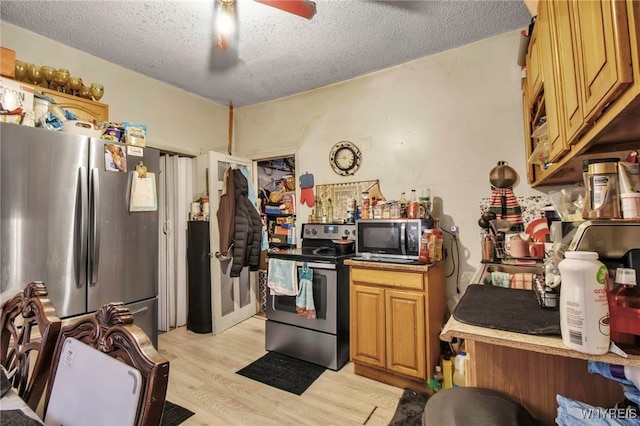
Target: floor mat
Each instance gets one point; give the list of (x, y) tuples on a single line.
[(506, 309), (283, 372), (173, 414), (410, 408)]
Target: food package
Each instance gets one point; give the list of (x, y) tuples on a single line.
[(15, 95), (134, 134)]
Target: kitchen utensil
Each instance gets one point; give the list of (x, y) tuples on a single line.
[(503, 175)]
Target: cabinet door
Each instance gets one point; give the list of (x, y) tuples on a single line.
[(84, 109), (534, 69), (557, 140), (569, 69), (405, 333), (367, 325), (602, 34)]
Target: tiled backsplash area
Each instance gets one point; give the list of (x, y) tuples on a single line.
[(532, 207)]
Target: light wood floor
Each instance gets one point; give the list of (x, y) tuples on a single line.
[(202, 378)]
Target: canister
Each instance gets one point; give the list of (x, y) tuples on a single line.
[(603, 183)]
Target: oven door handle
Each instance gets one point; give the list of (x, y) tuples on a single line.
[(403, 238), (316, 265)]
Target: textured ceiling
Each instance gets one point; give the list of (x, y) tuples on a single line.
[(279, 54)]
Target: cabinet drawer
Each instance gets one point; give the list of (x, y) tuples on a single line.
[(388, 278)]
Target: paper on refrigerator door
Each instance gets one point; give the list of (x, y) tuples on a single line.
[(143, 193)]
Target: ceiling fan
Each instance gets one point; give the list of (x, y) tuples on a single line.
[(226, 17)]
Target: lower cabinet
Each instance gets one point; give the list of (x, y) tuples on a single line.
[(397, 312)]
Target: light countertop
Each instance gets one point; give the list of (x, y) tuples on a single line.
[(544, 344), (388, 265)]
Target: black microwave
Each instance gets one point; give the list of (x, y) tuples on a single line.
[(389, 238)]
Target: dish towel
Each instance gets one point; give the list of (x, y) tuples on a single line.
[(281, 278), (304, 301)]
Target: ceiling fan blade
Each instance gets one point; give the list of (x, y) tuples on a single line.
[(304, 8)]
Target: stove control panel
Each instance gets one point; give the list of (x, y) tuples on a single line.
[(328, 231)]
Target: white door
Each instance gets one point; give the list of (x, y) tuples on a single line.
[(232, 299)]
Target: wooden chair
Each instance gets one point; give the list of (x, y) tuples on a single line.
[(111, 331), (29, 328)]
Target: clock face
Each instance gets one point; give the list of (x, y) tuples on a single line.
[(345, 158)]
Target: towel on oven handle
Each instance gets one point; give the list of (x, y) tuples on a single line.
[(304, 301), (281, 278)]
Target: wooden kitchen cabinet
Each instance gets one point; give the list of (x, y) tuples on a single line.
[(397, 312), (590, 84), (84, 109)]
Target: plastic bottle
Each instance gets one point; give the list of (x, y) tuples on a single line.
[(624, 307), (436, 381), (584, 312), (459, 376), (447, 373), (628, 372)]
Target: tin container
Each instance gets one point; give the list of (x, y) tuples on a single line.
[(603, 183)]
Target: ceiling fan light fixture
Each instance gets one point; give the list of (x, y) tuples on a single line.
[(225, 23)]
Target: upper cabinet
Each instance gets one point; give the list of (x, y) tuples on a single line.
[(84, 109), (590, 93)]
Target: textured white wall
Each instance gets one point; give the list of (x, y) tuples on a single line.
[(177, 120), (442, 122)]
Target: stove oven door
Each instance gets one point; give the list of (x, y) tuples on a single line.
[(283, 308)]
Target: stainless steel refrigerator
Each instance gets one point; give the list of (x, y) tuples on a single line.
[(66, 220)]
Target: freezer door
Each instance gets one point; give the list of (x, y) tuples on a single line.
[(42, 203), (123, 245)]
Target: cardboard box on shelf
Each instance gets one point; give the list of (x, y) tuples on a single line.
[(14, 94), (7, 62)]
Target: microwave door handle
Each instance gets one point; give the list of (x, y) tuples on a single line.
[(403, 238)]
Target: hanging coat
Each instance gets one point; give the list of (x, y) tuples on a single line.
[(248, 229), (226, 215)]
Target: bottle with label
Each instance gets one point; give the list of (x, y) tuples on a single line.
[(403, 205), (584, 312), (437, 379), (319, 212), (329, 211), (447, 372), (365, 206), (624, 307), (459, 365)]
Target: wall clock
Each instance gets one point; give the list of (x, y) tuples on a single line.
[(345, 158)]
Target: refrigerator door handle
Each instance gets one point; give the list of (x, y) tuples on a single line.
[(94, 259), (81, 259), (139, 311)]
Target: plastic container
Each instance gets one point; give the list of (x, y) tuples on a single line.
[(631, 205), (624, 307), (626, 372), (459, 376), (447, 373), (436, 381), (584, 312), (603, 184)]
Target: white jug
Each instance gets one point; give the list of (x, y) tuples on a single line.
[(584, 312)]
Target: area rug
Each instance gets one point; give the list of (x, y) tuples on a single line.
[(410, 408), (283, 372), (173, 414)]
